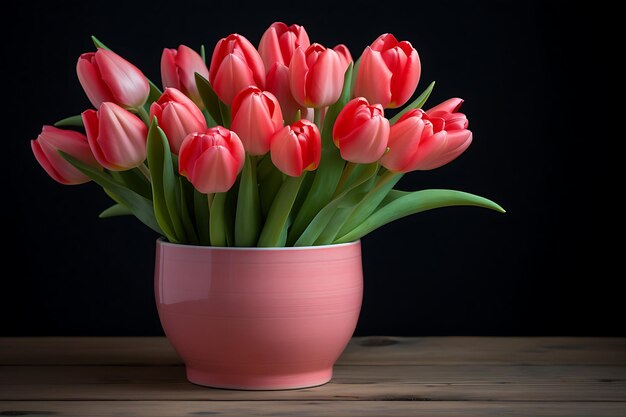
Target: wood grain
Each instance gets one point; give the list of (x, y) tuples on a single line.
[(376, 376), (308, 409), (361, 351)]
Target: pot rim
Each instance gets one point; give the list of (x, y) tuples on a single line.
[(161, 241)]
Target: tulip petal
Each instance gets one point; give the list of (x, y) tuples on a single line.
[(373, 79)]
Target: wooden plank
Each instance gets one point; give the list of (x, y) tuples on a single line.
[(357, 383), (361, 351), (309, 409)]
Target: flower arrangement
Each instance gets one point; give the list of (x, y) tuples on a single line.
[(286, 144)]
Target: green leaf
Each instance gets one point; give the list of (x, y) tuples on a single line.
[(201, 213), (115, 210), (203, 53), (73, 121), (418, 103), (225, 113), (325, 215), (248, 217), (140, 206), (153, 96), (370, 201), (209, 98), (329, 171), (134, 180), (416, 202), (164, 184), (99, 44), (217, 220), (186, 209), (278, 217), (269, 184)]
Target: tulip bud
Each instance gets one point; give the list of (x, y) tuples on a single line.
[(106, 76), (389, 72), (316, 76), (361, 132), (46, 147), (178, 116), (178, 69), (279, 42), (344, 55), (235, 65), (212, 159), (427, 140), (256, 117), (277, 83), (297, 148), (116, 137)]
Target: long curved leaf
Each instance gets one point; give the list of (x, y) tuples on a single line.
[(248, 214), (74, 121), (321, 221), (417, 202), (115, 210), (209, 98), (140, 206), (163, 184)]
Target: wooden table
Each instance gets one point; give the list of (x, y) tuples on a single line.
[(376, 376)]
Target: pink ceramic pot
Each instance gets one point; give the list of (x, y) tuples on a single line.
[(259, 318)]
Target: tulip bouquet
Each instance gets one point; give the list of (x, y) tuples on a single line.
[(284, 145)]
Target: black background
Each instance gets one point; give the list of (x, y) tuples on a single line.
[(535, 92)]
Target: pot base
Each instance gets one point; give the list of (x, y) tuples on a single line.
[(259, 382)]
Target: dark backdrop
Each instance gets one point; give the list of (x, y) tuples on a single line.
[(533, 86)]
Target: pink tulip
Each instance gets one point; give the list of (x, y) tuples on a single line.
[(279, 42), (212, 159), (116, 137), (178, 116), (178, 68), (106, 76), (235, 65), (427, 140), (316, 76), (256, 117), (46, 147), (277, 83), (344, 55), (297, 148), (361, 132), (389, 72)]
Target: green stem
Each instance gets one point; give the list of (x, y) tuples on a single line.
[(317, 117), (347, 171), (217, 229), (144, 115), (278, 215), (248, 211), (371, 201), (145, 171)]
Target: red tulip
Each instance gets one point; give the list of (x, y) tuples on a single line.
[(46, 147), (297, 148), (278, 84), (178, 116), (178, 68), (279, 42), (427, 140), (106, 76), (344, 55), (235, 65), (361, 132), (389, 72), (212, 159), (116, 137), (316, 76), (256, 117)]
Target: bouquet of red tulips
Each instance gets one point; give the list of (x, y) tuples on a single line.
[(284, 145)]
